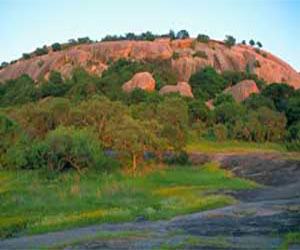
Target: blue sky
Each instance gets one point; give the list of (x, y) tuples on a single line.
[(27, 24)]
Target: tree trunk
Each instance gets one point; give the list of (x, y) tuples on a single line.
[(134, 164)]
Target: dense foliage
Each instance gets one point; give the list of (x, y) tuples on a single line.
[(61, 124)]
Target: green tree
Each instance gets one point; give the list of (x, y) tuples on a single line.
[(207, 83), (41, 51), (255, 101), (279, 93), (56, 47), (183, 34), (259, 44), (224, 98), (252, 42), (26, 56), (18, 91), (198, 111), (203, 38), (293, 109), (173, 116), (230, 41)]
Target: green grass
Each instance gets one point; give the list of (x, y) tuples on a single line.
[(31, 203), (290, 239), (233, 147)]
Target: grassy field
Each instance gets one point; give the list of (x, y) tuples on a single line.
[(206, 146), (32, 203)]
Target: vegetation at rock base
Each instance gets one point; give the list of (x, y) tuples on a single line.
[(52, 202), (78, 150)]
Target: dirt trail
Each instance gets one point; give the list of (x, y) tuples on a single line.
[(258, 221)]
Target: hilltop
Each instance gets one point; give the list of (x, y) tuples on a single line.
[(186, 57)]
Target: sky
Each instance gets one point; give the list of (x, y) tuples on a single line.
[(28, 24)]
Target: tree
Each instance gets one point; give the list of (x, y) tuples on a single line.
[(224, 98), (207, 83), (66, 148), (19, 91), (183, 34), (220, 132), (259, 44), (41, 51), (279, 93), (293, 110), (255, 101), (26, 56), (198, 111), (252, 42), (82, 40), (172, 35), (230, 41), (244, 42), (203, 38), (56, 47), (173, 116), (133, 138), (229, 113), (72, 41), (4, 64)]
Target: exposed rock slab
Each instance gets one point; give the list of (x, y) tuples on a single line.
[(243, 90), (183, 88), (143, 80), (95, 57)]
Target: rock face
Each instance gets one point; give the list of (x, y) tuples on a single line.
[(95, 57), (143, 80), (183, 88), (243, 90)]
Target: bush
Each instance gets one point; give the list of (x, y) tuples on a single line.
[(26, 56), (203, 38), (252, 42), (207, 83), (18, 91), (256, 101), (41, 51), (230, 41), (198, 111), (223, 98), (181, 158), (175, 55), (56, 47), (183, 34), (201, 54), (220, 132), (63, 149)]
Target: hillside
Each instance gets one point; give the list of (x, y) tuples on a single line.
[(186, 56)]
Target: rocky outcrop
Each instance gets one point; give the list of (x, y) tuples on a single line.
[(183, 88), (95, 57), (243, 90), (143, 80)]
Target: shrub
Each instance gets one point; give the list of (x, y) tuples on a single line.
[(223, 98), (259, 44), (41, 51), (82, 40), (18, 91), (201, 54), (183, 34), (207, 83), (66, 148), (175, 55), (203, 38), (255, 101), (181, 158), (56, 47), (257, 64), (220, 132), (252, 42), (244, 42), (198, 111), (230, 41), (26, 56)]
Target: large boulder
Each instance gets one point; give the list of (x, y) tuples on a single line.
[(243, 90), (183, 88), (143, 80)]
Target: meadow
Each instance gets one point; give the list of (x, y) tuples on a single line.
[(35, 202)]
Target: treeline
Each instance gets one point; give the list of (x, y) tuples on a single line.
[(145, 36), (70, 123)]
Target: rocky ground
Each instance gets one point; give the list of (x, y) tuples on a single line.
[(258, 221)]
